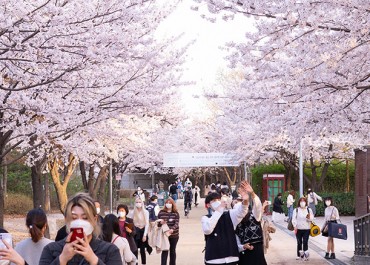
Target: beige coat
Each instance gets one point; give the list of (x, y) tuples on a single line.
[(158, 236)]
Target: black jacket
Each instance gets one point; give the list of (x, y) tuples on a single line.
[(106, 252), (277, 205)]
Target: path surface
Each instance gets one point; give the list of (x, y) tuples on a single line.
[(191, 244)]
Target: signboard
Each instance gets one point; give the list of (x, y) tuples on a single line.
[(199, 160)]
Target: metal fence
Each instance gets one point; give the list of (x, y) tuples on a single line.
[(361, 226)]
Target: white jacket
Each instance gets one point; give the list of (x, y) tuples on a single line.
[(124, 249), (158, 236)]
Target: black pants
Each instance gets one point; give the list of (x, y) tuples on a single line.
[(173, 243), (302, 238), (141, 245), (196, 199), (256, 256)]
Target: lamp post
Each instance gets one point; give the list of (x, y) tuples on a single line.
[(300, 168)]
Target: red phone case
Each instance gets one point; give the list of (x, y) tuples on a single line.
[(77, 232)]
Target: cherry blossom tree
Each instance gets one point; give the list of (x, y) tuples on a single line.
[(69, 66)]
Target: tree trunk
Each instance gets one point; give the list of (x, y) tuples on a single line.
[(37, 191), (5, 178), (230, 180), (2, 208), (61, 185), (102, 174), (83, 175), (90, 184), (47, 193)]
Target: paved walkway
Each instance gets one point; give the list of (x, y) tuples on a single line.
[(282, 246)]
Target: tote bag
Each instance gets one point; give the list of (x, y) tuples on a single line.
[(337, 230)]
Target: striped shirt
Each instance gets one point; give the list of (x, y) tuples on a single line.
[(172, 219)]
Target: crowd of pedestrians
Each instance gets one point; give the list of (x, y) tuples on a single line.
[(234, 228)]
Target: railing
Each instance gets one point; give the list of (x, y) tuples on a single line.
[(361, 226)]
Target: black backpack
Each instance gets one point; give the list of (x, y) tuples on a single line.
[(249, 230)]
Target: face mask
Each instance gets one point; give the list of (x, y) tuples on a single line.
[(215, 205), (327, 203), (302, 204), (169, 205), (97, 210), (85, 225), (138, 205), (121, 214)]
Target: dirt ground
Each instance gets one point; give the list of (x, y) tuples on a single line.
[(16, 225)]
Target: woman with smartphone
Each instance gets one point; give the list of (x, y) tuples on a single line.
[(82, 245)]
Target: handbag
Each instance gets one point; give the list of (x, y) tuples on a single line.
[(324, 231), (290, 225), (314, 230), (337, 230)]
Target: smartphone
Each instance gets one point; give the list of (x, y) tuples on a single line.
[(77, 232), (6, 237)]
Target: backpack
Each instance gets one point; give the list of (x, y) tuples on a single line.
[(150, 209), (249, 230)]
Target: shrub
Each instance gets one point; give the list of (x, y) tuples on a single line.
[(16, 203)]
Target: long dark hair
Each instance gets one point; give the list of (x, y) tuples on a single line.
[(35, 222), (110, 226)]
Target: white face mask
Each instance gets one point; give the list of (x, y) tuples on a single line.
[(302, 204), (138, 204), (97, 210), (121, 214), (327, 203), (215, 205), (85, 225), (169, 205)]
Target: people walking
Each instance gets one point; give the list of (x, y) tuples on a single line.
[(196, 195), (140, 217), (188, 198), (249, 235), (153, 208), (173, 191), (127, 228), (219, 228), (31, 248), (277, 209), (312, 199), (170, 216), (331, 215), (301, 220), (289, 203), (111, 233)]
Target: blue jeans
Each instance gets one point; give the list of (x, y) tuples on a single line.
[(174, 197), (290, 212)]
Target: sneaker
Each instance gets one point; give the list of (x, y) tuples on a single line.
[(298, 258), (306, 255), (301, 254)]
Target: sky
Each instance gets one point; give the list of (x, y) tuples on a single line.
[(205, 58)]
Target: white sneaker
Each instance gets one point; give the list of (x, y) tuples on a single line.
[(301, 254), (306, 255), (298, 258)]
